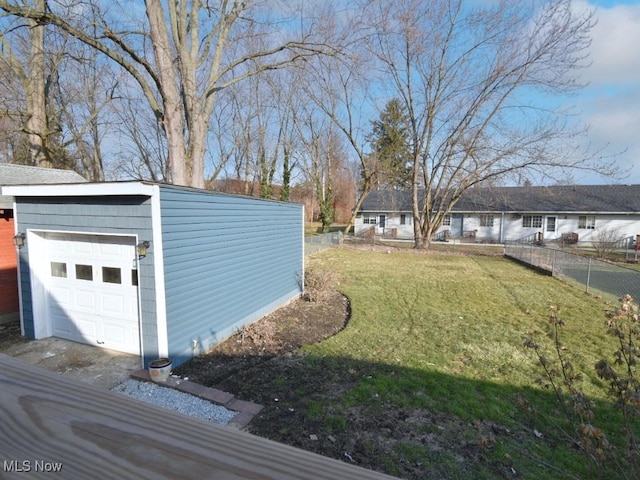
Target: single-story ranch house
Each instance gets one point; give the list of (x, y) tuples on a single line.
[(502, 214), (149, 269)]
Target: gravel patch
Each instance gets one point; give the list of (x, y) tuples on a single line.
[(175, 400)]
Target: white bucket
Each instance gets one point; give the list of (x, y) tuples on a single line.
[(160, 369)]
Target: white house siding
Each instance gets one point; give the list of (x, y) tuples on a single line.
[(471, 223), (622, 226), (392, 221)]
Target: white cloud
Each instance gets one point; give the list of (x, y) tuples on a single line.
[(615, 37), (611, 102)]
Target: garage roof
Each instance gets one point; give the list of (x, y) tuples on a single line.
[(26, 175), (571, 198), (81, 189)]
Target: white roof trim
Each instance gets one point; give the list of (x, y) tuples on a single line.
[(80, 189)]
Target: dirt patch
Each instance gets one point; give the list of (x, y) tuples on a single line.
[(100, 367), (10, 335), (274, 339)]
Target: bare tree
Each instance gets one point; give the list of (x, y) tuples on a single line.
[(58, 97), (339, 89), (607, 241), (468, 78), (142, 145), (84, 95), (199, 49), (30, 72), (13, 144), (37, 128)]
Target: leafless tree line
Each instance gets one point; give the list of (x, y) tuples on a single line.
[(275, 93)]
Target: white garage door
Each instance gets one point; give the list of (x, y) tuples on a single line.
[(92, 290)]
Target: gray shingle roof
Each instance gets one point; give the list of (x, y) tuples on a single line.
[(24, 175), (571, 198)]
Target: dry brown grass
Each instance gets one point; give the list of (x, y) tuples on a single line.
[(319, 285), (263, 335)]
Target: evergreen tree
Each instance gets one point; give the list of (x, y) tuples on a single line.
[(286, 177), (267, 170), (391, 147)]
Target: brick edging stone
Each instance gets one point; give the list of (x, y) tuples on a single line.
[(245, 410)]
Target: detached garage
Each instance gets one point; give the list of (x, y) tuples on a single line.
[(155, 270)]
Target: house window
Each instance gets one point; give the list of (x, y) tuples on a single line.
[(369, 219), (486, 220), (405, 219), (587, 222), (446, 222), (532, 221)]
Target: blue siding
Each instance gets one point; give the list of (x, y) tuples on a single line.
[(228, 260), (111, 215)]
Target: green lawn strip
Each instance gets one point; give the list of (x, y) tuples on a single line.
[(315, 228), (446, 333)]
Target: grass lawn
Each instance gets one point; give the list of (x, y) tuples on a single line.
[(315, 228), (440, 337)]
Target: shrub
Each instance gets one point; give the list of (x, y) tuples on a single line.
[(318, 285), (559, 376), (606, 241)]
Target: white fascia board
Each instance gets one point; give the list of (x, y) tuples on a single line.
[(80, 189)]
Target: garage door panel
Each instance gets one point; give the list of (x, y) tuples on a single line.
[(61, 295), (57, 246), (114, 333), (91, 295), (87, 328), (61, 322), (82, 248), (113, 305), (85, 300), (119, 336), (111, 249)]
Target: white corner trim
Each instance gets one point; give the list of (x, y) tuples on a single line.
[(17, 251), (37, 257), (80, 189), (158, 265), (302, 273)]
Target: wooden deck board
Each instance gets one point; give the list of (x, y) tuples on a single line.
[(47, 417)]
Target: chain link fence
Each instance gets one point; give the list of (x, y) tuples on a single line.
[(599, 277), (315, 243)]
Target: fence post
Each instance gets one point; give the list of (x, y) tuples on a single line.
[(588, 275), (553, 264), (531, 255)]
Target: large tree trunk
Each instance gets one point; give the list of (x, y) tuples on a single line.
[(173, 118), (415, 204), (366, 189), (197, 150), (35, 93)]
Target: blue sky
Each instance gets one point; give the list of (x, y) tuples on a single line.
[(610, 104)]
